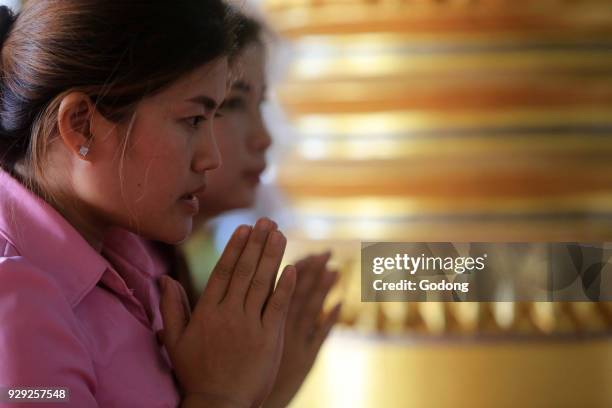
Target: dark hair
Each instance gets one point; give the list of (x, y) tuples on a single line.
[(7, 19), (247, 31), (115, 51)]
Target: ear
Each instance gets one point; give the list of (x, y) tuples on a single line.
[(74, 123)]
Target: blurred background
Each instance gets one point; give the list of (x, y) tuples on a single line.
[(441, 120)]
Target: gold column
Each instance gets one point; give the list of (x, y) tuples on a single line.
[(456, 120)]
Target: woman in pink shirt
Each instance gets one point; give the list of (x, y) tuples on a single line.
[(106, 110)]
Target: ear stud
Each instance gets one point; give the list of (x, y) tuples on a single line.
[(83, 150)]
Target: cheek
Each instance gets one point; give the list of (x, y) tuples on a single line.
[(159, 140), (232, 129), (156, 166), (232, 148), (225, 178), (227, 183)]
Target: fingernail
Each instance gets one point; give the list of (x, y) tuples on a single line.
[(276, 237), (263, 223), (243, 231), (324, 257), (290, 271)]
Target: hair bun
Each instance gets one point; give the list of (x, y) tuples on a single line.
[(7, 18)]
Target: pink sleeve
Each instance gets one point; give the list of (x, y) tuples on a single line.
[(40, 344)]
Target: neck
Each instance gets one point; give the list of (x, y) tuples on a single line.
[(90, 230), (82, 220), (201, 219)]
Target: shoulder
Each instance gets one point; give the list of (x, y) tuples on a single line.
[(23, 282), (31, 301), (40, 339)]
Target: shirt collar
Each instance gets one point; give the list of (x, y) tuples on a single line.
[(44, 238)]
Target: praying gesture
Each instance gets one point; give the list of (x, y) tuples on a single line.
[(227, 353), (306, 328)]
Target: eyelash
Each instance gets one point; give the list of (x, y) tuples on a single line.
[(196, 119), (199, 119)]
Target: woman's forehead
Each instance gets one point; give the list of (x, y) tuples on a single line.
[(248, 67), (209, 80)]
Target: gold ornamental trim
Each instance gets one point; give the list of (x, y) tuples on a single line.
[(397, 207), (489, 176), (366, 66), (296, 18), (484, 229), (443, 94), (386, 42), (449, 148), (404, 122)]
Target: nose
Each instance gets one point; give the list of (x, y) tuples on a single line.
[(260, 139), (207, 156)]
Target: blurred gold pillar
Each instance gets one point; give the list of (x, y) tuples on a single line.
[(453, 120), (363, 373)]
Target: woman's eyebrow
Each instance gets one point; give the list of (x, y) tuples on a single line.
[(241, 86), (208, 102)]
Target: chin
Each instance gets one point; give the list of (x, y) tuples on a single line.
[(214, 206), (176, 233), (246, 199), (237, 205)]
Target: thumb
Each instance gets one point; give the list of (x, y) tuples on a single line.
[(172, 311)]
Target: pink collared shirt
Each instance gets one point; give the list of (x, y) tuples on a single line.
[(70, 317)]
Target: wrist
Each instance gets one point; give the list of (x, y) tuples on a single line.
[(283, 393)]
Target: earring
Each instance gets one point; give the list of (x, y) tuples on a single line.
[(83, 150)]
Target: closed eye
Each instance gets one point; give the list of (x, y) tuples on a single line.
[(194, 121), (233, 104)]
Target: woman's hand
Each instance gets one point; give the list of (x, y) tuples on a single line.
[(305, 330), (227, 353)]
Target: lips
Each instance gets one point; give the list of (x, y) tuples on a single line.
[(193, 194), (191, 203), (255, 171), (253, 177)]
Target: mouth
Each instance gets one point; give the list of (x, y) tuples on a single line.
[(188, 197), (198, 191), (190, 203), (254, 176), (191, 200)]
